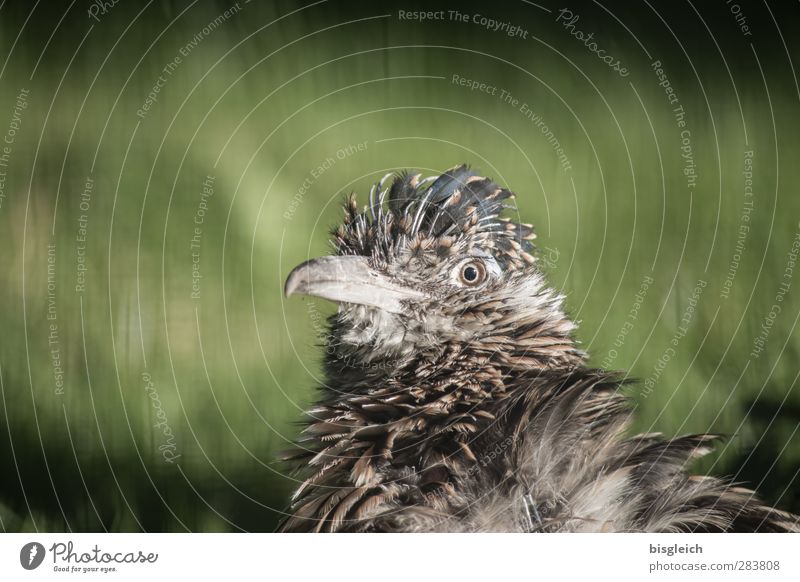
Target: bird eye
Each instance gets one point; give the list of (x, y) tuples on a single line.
[(472, 273)]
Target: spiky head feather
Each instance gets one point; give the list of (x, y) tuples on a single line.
[(455, 212)]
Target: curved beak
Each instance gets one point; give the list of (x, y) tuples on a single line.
[(349, 279)]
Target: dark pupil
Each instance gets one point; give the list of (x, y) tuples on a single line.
[(470, 274)]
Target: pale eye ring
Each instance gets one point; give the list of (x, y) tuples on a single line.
[(472, 273)]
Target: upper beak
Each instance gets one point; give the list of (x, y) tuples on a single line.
[(349, 279)]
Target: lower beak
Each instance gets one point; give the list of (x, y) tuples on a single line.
[(349, 279)]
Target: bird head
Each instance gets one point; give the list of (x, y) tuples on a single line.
[(432, 264)]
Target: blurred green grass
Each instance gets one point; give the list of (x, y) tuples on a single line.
[(233, 369)]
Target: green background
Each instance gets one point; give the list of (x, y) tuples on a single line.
[(267, 101)]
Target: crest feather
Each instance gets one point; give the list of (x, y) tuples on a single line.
[(458, 204)]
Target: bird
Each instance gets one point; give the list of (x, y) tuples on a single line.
[(457, 399)]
